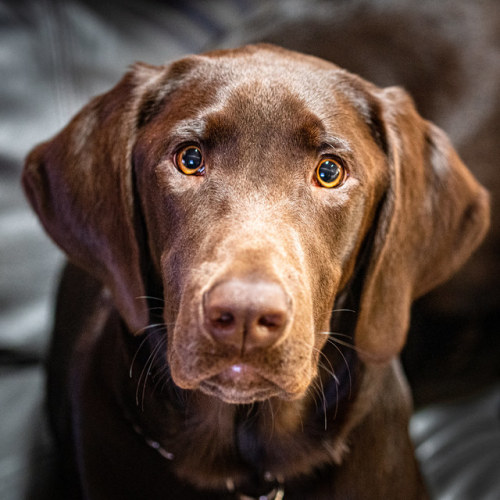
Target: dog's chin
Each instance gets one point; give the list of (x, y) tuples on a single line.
[(241, 384)]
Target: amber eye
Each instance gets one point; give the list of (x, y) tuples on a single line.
[(330, 173), (189, 161)]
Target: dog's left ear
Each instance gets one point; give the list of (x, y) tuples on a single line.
[(433, 217), (80, 184)]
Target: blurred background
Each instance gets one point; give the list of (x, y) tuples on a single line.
[(56, 54)]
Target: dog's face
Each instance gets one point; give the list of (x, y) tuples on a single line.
[(256, 177), (254, 241)]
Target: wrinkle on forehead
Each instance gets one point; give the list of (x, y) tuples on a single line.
[(263, 87), (261, 117), (266, 97)]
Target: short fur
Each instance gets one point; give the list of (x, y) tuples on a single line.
[(319, 409)]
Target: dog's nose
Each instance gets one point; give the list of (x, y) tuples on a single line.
[(246, 314)]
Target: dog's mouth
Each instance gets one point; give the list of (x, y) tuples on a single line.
[(240, 384)]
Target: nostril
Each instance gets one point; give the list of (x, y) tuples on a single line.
[(223, 320), (272, 321), (224, 325)]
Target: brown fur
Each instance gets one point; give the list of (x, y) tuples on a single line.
[(326, 418)]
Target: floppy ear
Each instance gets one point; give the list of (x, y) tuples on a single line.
[(80, 185), (433, 216)]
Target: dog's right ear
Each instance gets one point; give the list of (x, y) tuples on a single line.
[(80, 185)]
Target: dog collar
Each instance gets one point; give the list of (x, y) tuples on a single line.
[(277, 491)]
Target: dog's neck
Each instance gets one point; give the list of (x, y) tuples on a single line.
[(215, 445)]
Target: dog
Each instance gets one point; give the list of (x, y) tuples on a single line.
[(246, 230)]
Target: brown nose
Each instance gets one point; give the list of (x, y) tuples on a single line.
[(246, 314)]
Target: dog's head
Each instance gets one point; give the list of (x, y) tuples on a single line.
[(250, 183)]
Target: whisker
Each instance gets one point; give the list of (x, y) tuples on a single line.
[(323, 400), (158, 308), (346, 344), (332, 373), (141, 345), (324, 360), (250, 408), (131, 369), (271, 412), (150, 297), (346, 364), (317, 386), (156, 351), (336, 334), (329, 313), (146, 370), (321, 354), (148, 327), (163, 378), (313, 390)]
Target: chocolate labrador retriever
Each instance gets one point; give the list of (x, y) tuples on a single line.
[(250, 228)]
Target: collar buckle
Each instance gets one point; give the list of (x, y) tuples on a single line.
[(277, 493)]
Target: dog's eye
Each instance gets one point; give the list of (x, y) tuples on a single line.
[(330, 173), (189, 160)]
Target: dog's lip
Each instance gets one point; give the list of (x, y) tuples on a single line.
[(240, 383)]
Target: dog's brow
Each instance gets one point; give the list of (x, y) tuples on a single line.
[(189, 130), (335, 144)]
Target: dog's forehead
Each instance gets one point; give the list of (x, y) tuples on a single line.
[(271, 75), (266, 91)]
